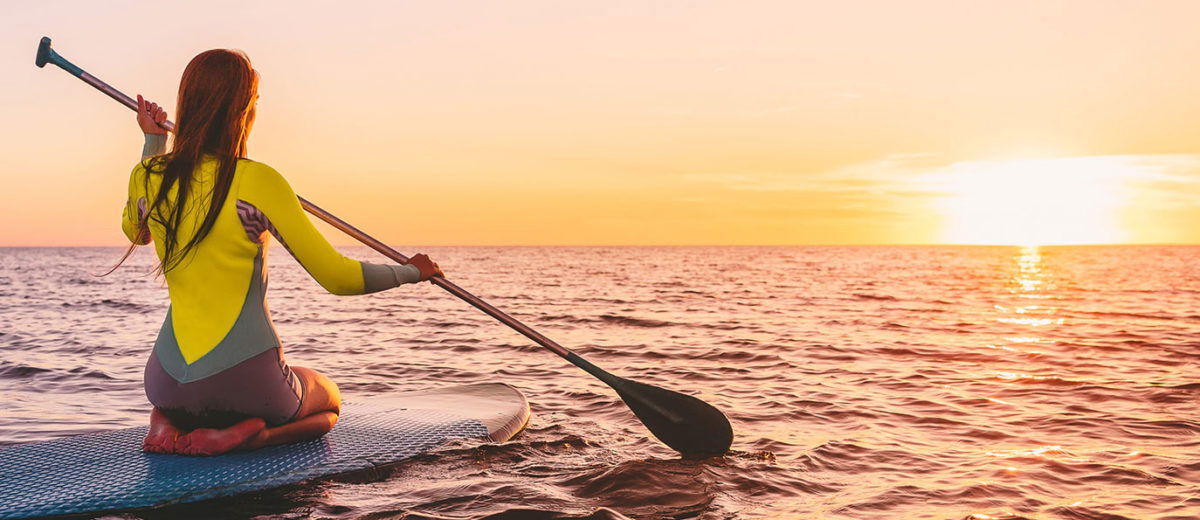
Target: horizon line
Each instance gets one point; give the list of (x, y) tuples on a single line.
[(915, 244)]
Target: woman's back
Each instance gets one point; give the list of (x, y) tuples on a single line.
[(209, 288), (218, 315)]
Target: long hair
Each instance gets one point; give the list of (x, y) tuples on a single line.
[(214, 115)]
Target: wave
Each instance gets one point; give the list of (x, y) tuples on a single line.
[(30, 372), (1137, 315), (118, 305), (21, 371), (878, 297), (602, 513), (634, 322)]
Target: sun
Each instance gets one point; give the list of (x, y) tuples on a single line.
[(1035, 201)]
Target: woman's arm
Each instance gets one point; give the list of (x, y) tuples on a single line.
[(268, 192), (149, 116)]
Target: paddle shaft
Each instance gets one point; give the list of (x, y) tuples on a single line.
[(358, 234)]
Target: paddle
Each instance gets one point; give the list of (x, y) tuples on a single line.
[(685, 423)]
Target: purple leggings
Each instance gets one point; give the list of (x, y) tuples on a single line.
[(262, 386)]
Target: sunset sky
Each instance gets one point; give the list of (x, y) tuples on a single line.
[(431, 123)]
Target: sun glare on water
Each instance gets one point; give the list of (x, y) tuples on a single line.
[(1035, 202)]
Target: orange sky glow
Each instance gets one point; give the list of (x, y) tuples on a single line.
[(613, 123)]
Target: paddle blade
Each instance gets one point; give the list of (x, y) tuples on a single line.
[(688, 425)]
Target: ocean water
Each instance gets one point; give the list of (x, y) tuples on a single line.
[(862, 382)]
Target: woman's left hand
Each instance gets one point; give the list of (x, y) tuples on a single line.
[(150, 116), (428, 267)]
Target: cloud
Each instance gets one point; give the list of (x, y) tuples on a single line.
[(1090, 199), (891, 174)]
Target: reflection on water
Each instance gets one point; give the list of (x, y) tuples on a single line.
[(862, 382), (1030, 282), (1029, 271)]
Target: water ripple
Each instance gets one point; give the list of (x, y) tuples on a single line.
[(973, 383)]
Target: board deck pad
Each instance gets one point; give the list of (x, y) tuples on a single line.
[(107, 471)]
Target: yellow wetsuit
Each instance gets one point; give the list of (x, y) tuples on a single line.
[(218, 316)]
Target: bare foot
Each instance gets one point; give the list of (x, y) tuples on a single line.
[(162, 435), (311, 427), (209, 441), (258, 440)]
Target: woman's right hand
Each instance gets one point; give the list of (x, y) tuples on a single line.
[(150, 117), (428, 267)]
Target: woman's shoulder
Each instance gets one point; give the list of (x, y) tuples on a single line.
[(141, 168), (252, 168), (257, 175), (152, 164), (149, 163)]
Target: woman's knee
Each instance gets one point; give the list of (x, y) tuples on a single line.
[(321, 394)]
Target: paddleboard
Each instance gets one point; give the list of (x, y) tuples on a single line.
[(107, 471)]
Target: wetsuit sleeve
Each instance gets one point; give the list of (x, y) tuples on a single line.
[(134, 205), (268, 191), (156, 144)]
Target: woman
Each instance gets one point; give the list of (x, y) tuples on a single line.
[(217, 376)]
